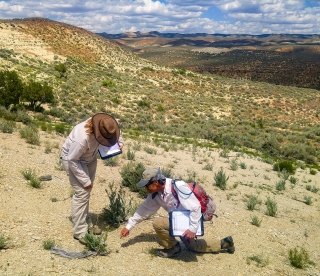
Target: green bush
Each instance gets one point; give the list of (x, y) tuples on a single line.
[(96, 243), (281, 185), (7, 126), (31, 135), (11, 88), (32, 178), (272, 208), (284, 165), (48, 244), (118, 209), (131, 174), (130, 154), (221, 179), (3, 242), (299, 258), (256, 221), (252, 202), (112, 162), (108, 83)]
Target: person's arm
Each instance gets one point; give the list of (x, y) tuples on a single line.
[(145, 210), (76, 150), (189, 202)]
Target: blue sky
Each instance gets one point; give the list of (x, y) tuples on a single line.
[(183, 16)]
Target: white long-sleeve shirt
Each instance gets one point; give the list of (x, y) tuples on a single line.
[(187, 201), (81, 148)]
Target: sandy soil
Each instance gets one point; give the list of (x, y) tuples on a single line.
[(29, 216)]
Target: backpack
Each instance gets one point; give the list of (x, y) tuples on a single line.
[(208, 207)]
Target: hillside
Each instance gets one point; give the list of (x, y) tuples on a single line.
[(286, 59), (147, 98)]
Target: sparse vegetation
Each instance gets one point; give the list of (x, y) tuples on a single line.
[(119, 207), (256, 221), (31, 135), (96, 243), (252, 202), (48, 244), (259, 260), (299, 258), (131, 174), (4, 242), (272, 208), (32, 178), (221, 179)]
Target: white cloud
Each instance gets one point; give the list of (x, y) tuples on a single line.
[(114, 16)]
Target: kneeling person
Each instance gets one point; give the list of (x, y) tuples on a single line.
[(160, 195)]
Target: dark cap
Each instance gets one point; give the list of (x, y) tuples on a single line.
[(148, 175)]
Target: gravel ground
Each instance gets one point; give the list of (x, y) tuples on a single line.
[(31, 216)]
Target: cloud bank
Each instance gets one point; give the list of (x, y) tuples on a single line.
[(183, 16)]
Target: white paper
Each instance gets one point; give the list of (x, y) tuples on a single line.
[(180, 223), (107, 152)]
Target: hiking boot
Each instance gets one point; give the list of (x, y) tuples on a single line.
[(81, 240), (169, 253), (227, 245)]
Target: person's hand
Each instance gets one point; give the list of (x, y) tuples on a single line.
[(189, 234), (120, 145), (124, 232)]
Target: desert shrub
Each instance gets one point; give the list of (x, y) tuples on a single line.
[(299, 258), (243, 165), (208, 167), (167, 172), (32, 178), (118, 209), (144, 104), (7, 126), (312, 189), (4, 242), (108, 83), (234, 165), (259, 260), (252, 202), (224, 153), (23, 117), (293, 180), (272, 208), (256, 221), (130, 154), (131, 174), (31, 135), (286, 165), (308, 200), (60, 128), (281, 185), (221, 179), (112, 162), (150, 150), (48, 244), (96, 243), (313, 171)]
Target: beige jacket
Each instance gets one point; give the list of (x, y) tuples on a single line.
[(80, 149)]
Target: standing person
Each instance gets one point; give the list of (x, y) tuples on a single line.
[(160, 195), (79, 157)]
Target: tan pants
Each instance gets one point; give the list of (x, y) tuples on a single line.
[(207, 245), (80, 199)]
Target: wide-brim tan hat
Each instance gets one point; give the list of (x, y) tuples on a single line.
[(105, 129)]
